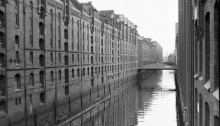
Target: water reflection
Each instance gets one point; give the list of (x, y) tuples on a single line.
[(149, 103), (156, 106)]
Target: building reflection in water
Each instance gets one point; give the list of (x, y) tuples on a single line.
[(149, 103)]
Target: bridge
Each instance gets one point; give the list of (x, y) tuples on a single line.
[(158, 66)]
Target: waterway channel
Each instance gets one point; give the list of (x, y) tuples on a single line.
[(150, 102)]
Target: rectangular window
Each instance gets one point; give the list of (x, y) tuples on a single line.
[(16, 20)]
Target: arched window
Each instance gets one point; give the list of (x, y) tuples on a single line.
[(41, 79), (32, 79), (41, 60), (2, 85), (31, 57), (18, 81), (2, 19), (207, 47), (41, 28), (51, 76), (207, 114), (2, 40), (200, 110)]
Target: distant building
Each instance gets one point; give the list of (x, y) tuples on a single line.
[(149, 52)]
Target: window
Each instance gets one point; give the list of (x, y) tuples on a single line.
[(83, 73), (92, 71), (42, 97), (16, 20), (41, 44), (42, 12), (67, 90), (31, 58), (78, 58), (66, 76), (2, 40), (51, 42), (32, 79), (2, 60), (51, 57), (30, 98), (66, 46), (59, 44), (17, 81), (41, 60), (88, 70), (59, 74), (17, 41), (2, 85), (73, 58), (2, 19), (17, 57), (31, 40), (16, 3), (41, 28), (51, 76), (78, 72), (66, 60), (41, 79), (73, 73), (59, 57), (66, 34)]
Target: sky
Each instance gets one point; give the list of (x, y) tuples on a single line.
[(155, 18)]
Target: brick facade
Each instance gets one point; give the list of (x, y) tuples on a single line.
[(198, 21)]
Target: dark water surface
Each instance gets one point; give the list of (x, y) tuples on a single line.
[(151, 102)]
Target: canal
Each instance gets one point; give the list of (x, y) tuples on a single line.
[(150, 102)]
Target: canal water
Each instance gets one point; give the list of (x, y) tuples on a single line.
[(151, 102)]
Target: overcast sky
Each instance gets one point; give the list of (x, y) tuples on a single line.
[(154, 18)]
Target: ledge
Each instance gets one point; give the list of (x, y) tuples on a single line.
[(216, 94), (207, 85)]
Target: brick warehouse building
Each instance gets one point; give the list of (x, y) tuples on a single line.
[(149, 52), (58, 57), (198, 62)]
